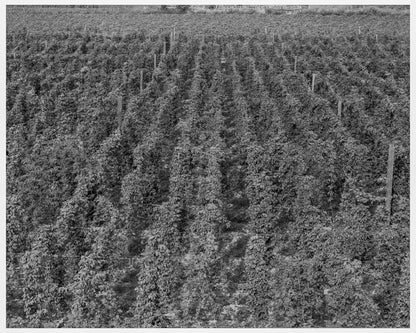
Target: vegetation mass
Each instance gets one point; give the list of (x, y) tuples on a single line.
[(195, 178)]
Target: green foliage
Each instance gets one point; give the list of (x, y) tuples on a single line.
[(94, 301), (160, 271), (40, 269)]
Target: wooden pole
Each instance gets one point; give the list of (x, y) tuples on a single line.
[(124, 79), (141, 80), (174, 33), (359, 30), (273, 37), (339, 108), (313, 81), (164, 48), (390, 167), (155, 60), (120, 110), (296, 62), (376, 39)]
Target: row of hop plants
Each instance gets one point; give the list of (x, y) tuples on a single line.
[(148, 185)]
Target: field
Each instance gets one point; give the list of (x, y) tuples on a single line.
[(195, 170)]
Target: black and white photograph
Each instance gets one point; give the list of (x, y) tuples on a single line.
[(206, 166)]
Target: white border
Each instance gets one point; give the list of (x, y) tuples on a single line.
[(206, 2), (202, 2)]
